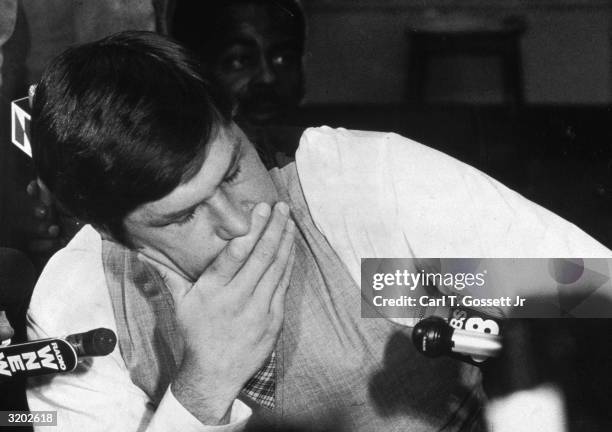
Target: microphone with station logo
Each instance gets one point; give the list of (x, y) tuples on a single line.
[(434, 337), (467, 334), (54, 355)]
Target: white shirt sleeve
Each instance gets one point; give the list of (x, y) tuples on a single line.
[(172, 416), (71, 297), (384, 195), (375, 195)]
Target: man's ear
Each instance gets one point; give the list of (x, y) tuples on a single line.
[(105, 234)]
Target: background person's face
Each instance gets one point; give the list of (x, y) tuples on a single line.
[(260, 62), (186, 229)]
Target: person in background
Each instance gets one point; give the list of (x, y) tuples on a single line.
[(254, 50)]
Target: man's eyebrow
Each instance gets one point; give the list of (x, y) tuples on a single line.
[(166, 218), (287, 43), (240, 40), (235, 156), (163, 219)]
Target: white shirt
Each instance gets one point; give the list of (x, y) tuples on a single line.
[(71, 297)]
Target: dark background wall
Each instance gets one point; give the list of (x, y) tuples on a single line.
[(358, 50)]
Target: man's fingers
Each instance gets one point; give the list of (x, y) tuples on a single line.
[(40, 211), (277, 304), (225, 266), (32, 189), (47, 230), (6, 331), (266, 250), (271, 280), (44, 194)]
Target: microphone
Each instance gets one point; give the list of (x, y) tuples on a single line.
[(434, 337), (94, 343), (54, 355)]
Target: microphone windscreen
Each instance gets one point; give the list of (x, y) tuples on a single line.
[(17, 278), (98, 342)]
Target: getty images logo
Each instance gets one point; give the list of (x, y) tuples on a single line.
[(48, 357)]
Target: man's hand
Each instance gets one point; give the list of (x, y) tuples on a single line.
[(50, 230), (44, 233), (231, 317), (6, 331)]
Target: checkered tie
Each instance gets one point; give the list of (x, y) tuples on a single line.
[(260, 388)]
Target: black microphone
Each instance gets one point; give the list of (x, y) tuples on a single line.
[(434, 337), (94, 343), (54, 355)]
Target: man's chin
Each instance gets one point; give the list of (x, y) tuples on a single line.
[(264, 114)]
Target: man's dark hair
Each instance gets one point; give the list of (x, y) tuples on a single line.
[(120, 122), (200, 25)]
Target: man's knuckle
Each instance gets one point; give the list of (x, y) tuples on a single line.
[(237, 252), (267, 253), (213, 269)]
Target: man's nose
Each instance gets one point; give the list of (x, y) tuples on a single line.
[(231, 218), (266, 73)]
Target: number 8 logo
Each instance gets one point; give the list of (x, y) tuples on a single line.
[(477, 324)]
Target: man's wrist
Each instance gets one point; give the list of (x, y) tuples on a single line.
[(204, 397), (171, 415)]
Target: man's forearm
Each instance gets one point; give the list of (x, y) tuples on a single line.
[(207, 398)]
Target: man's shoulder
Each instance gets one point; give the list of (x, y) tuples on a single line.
[(357, 157), (380, 194), (71, 292), (77, 263)]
